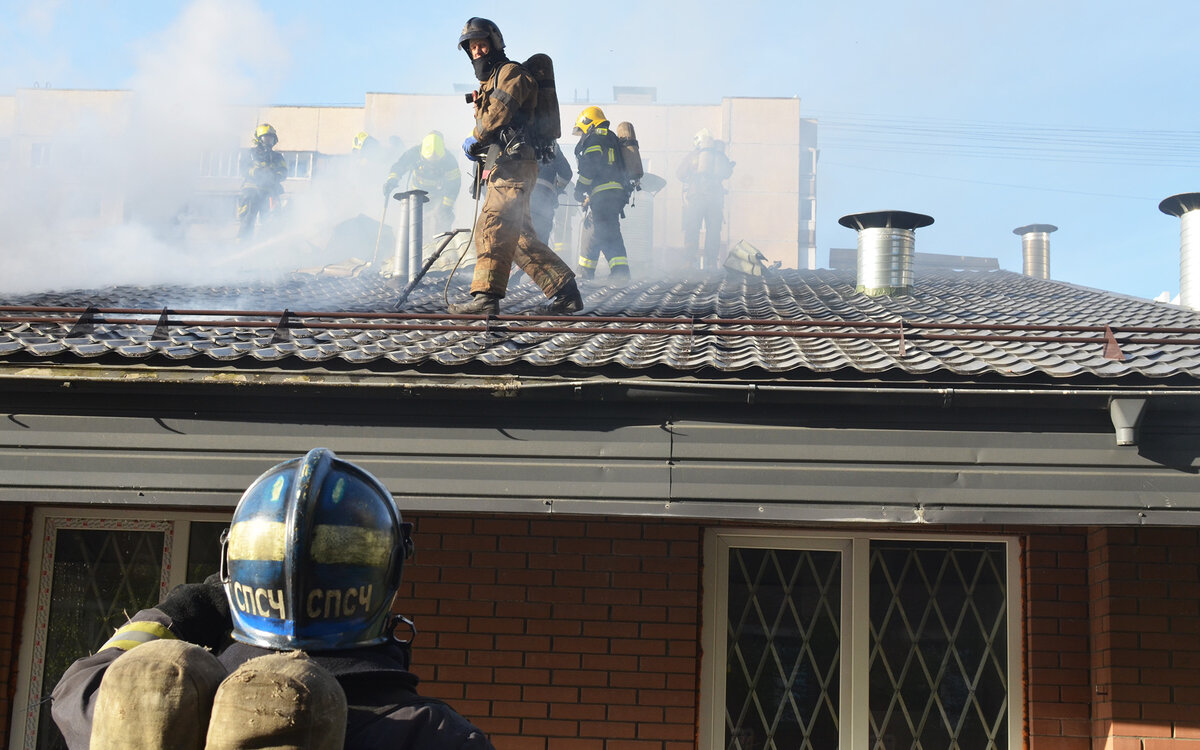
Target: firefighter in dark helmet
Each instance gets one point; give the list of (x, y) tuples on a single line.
[(311, 562), (702, 172), (264, 180), (434, 170), (504, 233), (602, 189)]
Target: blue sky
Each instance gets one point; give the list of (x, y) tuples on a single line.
[(985, 115)]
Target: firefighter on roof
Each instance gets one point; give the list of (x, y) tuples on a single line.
[(312, 563), (263, 185), (434, 170), (702, 172), (504, 104), (552, 181), (602, 188)]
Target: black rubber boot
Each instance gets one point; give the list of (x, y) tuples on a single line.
[(566, 301), (482, 303)]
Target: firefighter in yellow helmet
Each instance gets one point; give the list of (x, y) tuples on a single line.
[(366, 146), (434, 170), (264, 180), (504, 231), (702, 172), (602, 188)]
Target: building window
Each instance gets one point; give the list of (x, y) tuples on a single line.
[(91, 573), (299, 164), (223, 163), (852, 642)]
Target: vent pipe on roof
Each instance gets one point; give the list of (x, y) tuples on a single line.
[(886, 245), (407, 260), (1035, 249), (1187, 207)]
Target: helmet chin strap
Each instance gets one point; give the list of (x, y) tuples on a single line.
[(405, 645)]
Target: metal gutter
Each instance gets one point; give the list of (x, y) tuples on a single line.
[(516, 384)]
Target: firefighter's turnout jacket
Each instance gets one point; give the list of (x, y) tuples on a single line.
[(504, 233), (262, 185), (603, 188)]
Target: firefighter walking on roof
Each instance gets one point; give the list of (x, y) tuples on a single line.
[(263, 185), (702, 172), (505, 109), (433, 170), (602, 188)]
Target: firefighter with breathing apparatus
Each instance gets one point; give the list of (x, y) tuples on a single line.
[(603, 189), (434, 170), (505, 141), (263, 185), (702, 172), (311, 565)]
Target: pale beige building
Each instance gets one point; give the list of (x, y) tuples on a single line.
[(85, 143)]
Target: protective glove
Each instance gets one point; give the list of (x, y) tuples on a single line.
[(199, 612), (388, 187), (580, 194), (469, 147)]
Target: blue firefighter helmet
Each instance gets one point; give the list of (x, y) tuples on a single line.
[(313, 557)]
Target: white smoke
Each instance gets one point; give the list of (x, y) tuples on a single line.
[(108, 200)]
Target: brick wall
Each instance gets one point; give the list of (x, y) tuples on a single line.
[(1057, 659), (1145, 632), (15, 529), (560, 634)]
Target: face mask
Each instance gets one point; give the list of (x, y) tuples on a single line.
[(486, 64)]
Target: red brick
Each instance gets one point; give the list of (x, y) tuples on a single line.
[(579, 678), (573, 743), (607, 729), (520, 709), (653, 731), (577, 711), (522, 742), (550, 727)]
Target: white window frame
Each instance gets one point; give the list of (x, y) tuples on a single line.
[(854, 718), (176, 527)]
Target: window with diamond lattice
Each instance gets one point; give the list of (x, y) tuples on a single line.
[(782, 682), (93, 571), (100, 576), (938, 646), (841, 641)]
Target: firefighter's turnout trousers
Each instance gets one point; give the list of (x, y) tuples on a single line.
[(602, 234), (504, 234), (705, 209)]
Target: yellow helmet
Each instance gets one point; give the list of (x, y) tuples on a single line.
[(360, 139), (266, 135), (433, 146), (703, 138), (588, 119)]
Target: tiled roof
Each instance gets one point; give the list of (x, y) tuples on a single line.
[(791, 324)]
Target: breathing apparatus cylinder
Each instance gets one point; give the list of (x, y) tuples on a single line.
[(631, 155)]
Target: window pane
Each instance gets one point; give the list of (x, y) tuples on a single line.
[(100, 578), (204, 550), (939, 645), (783, 650)]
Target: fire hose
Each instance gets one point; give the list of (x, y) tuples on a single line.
[(416, 279)]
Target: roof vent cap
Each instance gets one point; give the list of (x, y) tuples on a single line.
[(886, 245)]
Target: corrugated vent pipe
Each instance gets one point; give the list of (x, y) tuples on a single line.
[(1187, 207), (886, 245), (407, 259), (1035, 249)]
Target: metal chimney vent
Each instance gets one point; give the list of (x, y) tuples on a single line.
[(1187, 207), (1035, 249), (886, 242)]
